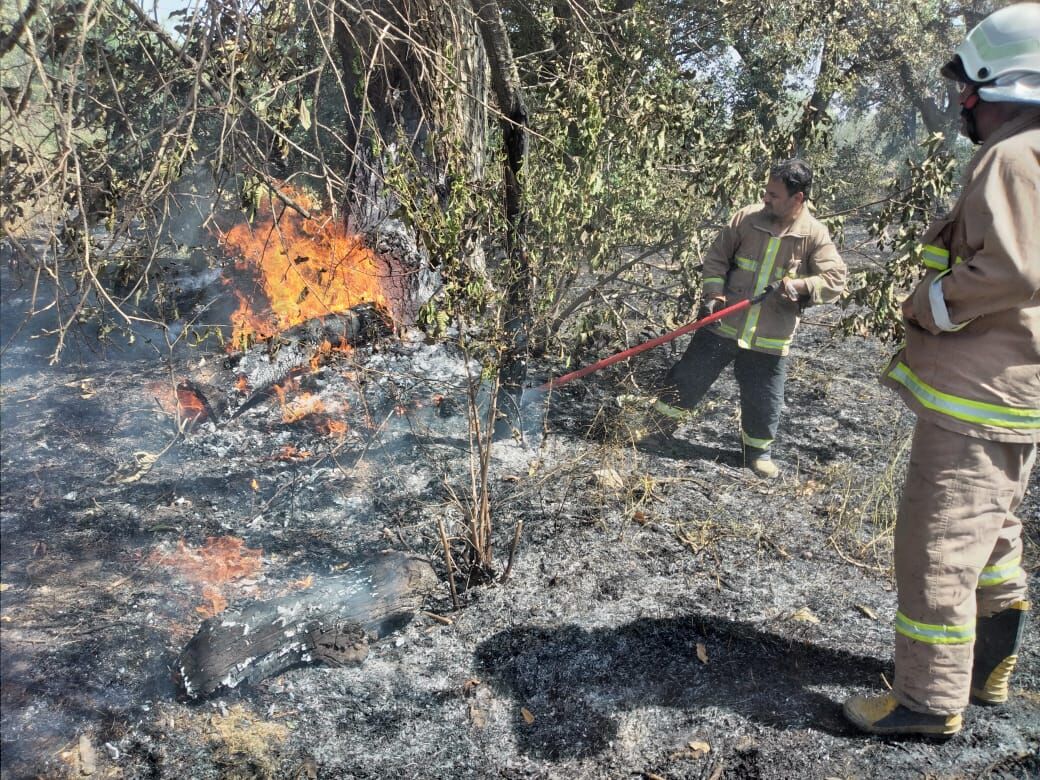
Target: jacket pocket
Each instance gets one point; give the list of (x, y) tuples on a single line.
[(741, 278)]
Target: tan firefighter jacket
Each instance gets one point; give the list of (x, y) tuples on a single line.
[(971, 362), (749, 254)]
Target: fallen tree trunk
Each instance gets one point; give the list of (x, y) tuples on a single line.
[(331, 622)]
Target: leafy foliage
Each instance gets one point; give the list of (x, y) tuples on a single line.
[(874, 295), (650, 123)]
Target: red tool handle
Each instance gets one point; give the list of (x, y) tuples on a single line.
[(687, 328)]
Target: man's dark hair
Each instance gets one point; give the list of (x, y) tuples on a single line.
[(795, 174)]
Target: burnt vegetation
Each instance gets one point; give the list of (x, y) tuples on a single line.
[(279, 499)]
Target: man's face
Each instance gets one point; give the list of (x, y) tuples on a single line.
[(779, 205), (969, 101), (979, 119)]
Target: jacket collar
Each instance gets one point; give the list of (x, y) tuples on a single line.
[(1027, 121), (802, 226)]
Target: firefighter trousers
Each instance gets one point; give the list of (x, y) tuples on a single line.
[(759, 376), (958, 555)]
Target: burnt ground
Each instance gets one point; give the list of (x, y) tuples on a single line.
[(661, 603)]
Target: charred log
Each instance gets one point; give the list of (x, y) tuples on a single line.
[(267, 366), (362, 324), (293, 351), (331, 623)]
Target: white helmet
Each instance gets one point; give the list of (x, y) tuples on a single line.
[(1003, 53)]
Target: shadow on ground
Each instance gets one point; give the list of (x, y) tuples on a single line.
[(574, 681), (680, 449)]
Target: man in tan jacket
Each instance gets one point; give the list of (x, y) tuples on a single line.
[(775, 240), (970, 371)]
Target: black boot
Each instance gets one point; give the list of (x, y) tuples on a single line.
[(997, 639)]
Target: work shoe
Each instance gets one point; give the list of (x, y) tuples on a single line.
[(997, 639), (760, 462), (883, 714), (765, 467)]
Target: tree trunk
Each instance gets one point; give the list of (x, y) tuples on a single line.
[(936, 119), (505, 81), (414, 77), (815, 110)]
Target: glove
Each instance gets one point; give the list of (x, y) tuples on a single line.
[(791, 292), (710, 306)]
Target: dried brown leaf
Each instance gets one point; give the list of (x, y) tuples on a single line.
[(867, 611), (699, 747), (87, 756), (609, 479), (803, 615), (702, 653)]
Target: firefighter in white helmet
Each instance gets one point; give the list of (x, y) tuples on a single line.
[(970, 370)]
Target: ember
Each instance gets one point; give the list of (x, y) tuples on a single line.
[(192, 407), (308, 268), (290, 452), (302, 406), (336, 428)]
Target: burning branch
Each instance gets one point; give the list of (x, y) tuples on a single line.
[(308, 268)]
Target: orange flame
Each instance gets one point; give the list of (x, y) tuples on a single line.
[(191, 407), (307, 268), (336, 428), (183, 401), (216, 603), (302, 406), (290, 452), (221, 560)]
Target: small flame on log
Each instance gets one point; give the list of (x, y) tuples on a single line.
[(324, 350), (307, 268), (185, 401)]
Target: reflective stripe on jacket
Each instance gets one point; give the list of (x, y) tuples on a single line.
[(976, 370), (749, 254)]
